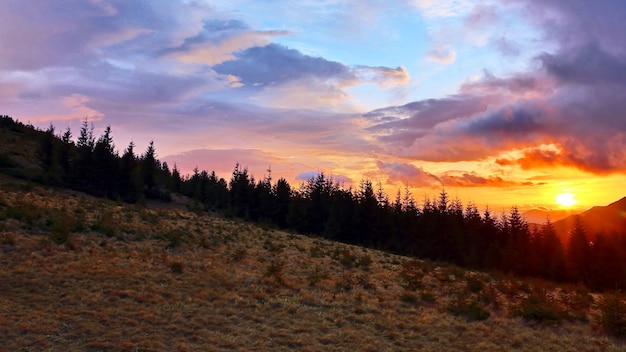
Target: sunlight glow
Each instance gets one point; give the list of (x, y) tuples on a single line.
[(566, 199)]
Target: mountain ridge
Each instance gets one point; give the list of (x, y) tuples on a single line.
[(608, 219)]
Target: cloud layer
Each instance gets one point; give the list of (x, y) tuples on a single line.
[(573, 99), (522, 86)]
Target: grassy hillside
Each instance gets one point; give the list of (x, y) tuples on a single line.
[(84, 274)]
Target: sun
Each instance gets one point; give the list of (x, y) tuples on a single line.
[(566, 199)]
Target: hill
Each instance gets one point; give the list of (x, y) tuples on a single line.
[(82, 273), (539, 216), (440, 229), (609, 219)]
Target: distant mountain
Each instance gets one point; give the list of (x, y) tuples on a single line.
[(538, 216), (607, 219)]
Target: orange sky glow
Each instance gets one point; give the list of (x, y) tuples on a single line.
[(499, 102)]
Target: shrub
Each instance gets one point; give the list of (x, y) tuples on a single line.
[(539, 307), (613, 314), (471, 310), (364, 281), (239, 254), (7, 238), (489, 295), (275, 271), (106, 224), (346, 283), (411, 275), (316, 275), (273, 247), (345, 258), (474, 284), (62, 222), (23, 211), (578, 303), (408, 297), (174, 237), (428, 296), (176, 267), (364, 262), (316, 251)]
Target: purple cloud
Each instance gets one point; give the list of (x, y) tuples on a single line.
[(276, 64), (407, 174), (311, 174)]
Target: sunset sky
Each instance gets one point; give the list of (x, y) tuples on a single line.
[(502, 102)]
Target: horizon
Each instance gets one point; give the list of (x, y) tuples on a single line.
[(501, 103)]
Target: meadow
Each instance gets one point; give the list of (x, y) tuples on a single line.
[(79, 273)]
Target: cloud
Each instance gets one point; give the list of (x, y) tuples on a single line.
[(586, 65), (581, 156), (519, 85), (403, 125), (572, 23), (572, 97), (383, 76), (443, 8), (312, 174), (472, 179), (481, 16), (276, 64), (407, 174), (219, 40), (305, 93), (80, 33), (281, 77), (505, 45), (441, 54)]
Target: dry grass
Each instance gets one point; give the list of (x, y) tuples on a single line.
[(128, 278)]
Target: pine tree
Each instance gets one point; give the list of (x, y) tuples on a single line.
[(282, 195), (49, 156), (66, 155), (578, 251), (83, 167), (149, 169), (241, 188), (176, 183), (550, 251), (105, 165), (518, 243), (129, 176)]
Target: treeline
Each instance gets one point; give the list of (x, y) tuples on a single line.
[(440, 229), (94, 166)]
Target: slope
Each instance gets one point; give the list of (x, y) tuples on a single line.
[(80, 273), (609, 219)]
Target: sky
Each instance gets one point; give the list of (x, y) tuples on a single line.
[(499, 102)]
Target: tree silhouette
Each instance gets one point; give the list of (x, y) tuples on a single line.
[(84, 166), (550, 254), (105, 165), (578, 251), (129, 176)]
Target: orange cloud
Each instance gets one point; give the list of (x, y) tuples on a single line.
[(472, 179)]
